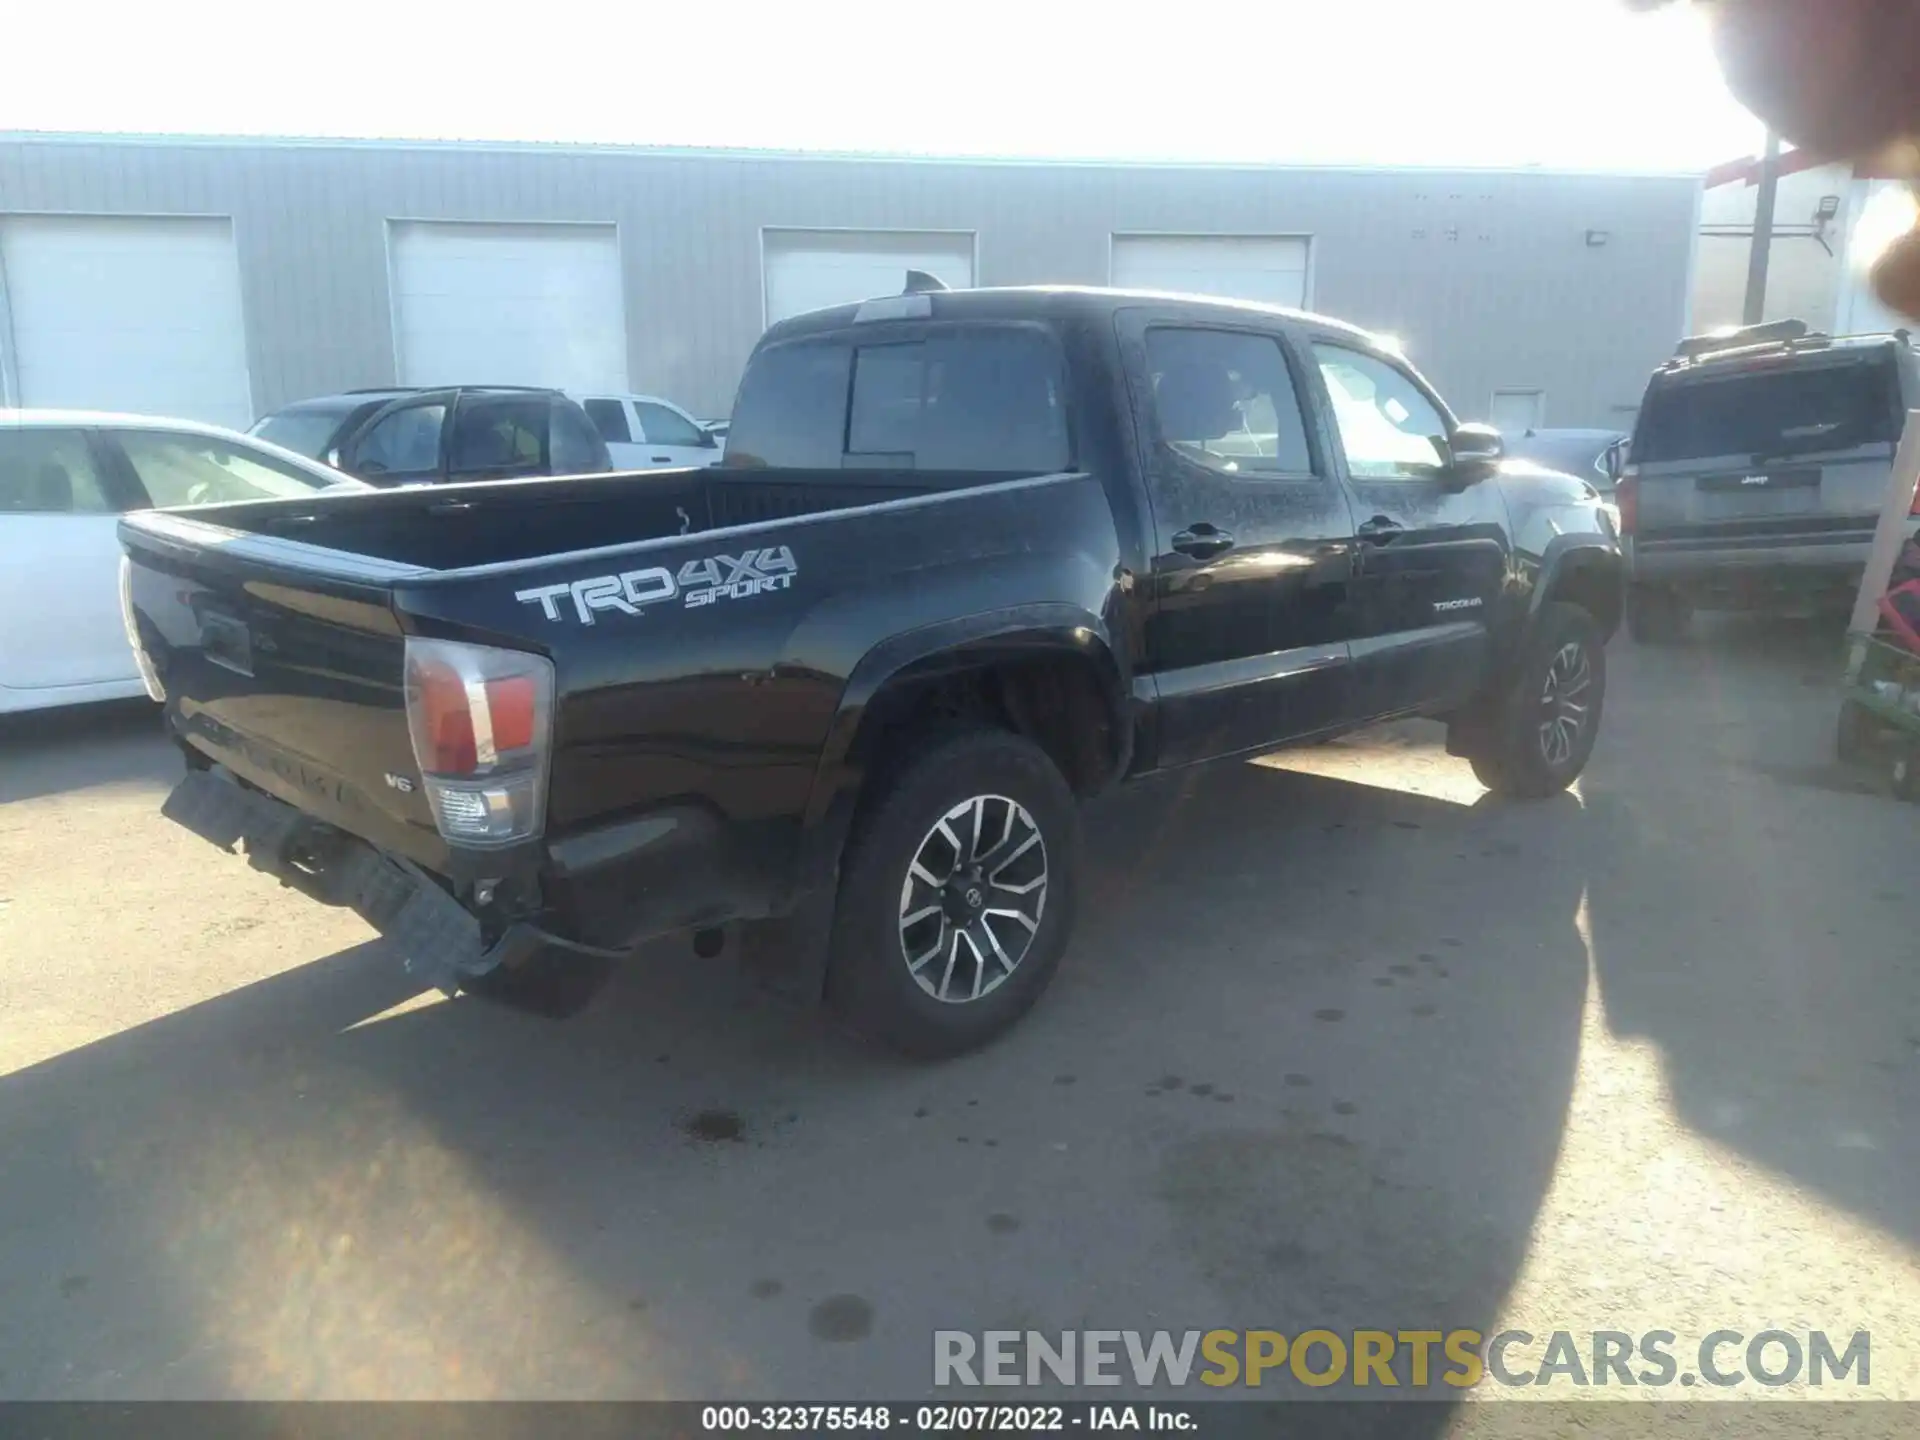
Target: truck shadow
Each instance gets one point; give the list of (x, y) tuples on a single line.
[(1753, 920), (53, 752), (1307, 1064)]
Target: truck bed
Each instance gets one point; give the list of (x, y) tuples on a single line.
[(692, 705)]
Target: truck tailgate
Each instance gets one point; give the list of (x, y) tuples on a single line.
[(290, 678)]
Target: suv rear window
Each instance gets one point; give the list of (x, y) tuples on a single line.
[(306, 431), (984, 401), (1762, 414)]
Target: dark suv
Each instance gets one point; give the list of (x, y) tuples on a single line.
[(468, 432), (1757, 471)]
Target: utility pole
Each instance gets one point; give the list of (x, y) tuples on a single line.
[(1756, 306)]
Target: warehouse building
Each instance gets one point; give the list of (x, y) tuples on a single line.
[(221, 279)]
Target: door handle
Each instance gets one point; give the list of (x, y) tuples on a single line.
[(1380, 530), (663, 459), (1202, 541)]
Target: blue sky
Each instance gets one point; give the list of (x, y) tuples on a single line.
[(1562, 83)]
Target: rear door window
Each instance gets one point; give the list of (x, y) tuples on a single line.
[(305, 432), (406, 442), (50, 472), (180, 468), (1767, 414), (610, 419), (1225, 399), (576, 447), (499, 437)]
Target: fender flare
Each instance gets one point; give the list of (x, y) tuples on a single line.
[(1565, 555), (967, 642)]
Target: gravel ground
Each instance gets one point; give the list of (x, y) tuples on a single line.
[(1340, 1043)]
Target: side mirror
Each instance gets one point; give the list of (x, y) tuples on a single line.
[(1473, 452), (707, 442), (333, 457)]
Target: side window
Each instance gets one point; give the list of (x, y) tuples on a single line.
[(981, 401), (1225, 399), (666, 427), (1388, 427), (49, 472), (610, 419), (791, 411), (184, 469), (495, 436), (577, 450), (406, 442)]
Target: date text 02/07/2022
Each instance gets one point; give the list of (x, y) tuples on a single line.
[(945, 1418)]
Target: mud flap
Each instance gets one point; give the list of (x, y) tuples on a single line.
[(439, 940)]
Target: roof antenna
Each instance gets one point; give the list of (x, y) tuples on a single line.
[(919, 282)]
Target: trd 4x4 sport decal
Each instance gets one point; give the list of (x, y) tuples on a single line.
[(698, 582)]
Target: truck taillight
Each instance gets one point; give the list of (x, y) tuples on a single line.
[(1626, 496), (481, 721)]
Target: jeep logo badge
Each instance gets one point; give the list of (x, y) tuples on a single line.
[(1754, 480)]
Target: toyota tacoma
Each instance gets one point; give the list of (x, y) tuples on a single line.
[(972, 557)]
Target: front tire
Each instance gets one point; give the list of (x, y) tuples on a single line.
[(1657, 615), (1543, 730), (958, 895)]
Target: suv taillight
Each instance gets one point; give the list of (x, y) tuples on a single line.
[(1626, 497), (481, 721)]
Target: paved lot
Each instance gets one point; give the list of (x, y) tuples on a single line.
[(1341, 1043)]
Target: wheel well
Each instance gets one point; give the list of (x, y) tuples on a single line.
[(1058, 702), (1594, 584)]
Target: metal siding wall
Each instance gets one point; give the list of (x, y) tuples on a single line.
[(1517, 300)]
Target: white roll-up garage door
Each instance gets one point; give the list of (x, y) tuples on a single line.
[(478, 304), (134, 314), (815, 269), (1269, 268)]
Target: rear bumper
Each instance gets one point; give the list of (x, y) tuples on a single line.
[(1674, 560), (442, 942), (1734, 575)]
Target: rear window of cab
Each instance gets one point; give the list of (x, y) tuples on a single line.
[(985, 400)]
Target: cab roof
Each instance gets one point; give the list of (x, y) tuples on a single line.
[(1049, 302)]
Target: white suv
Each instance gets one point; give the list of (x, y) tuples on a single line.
[(644, 432)]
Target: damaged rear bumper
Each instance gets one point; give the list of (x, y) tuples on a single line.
[(442, 942)]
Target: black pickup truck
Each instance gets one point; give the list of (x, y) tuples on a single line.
[(973, 556)]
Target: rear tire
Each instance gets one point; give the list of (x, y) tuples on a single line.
[(924, 928), (1657, 614), (1541, 733)]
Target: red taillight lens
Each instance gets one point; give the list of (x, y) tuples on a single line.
[(480, 720), (437, 696), (1626, 496), (511, 703)]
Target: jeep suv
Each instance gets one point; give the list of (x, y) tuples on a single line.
[(1757, 470), (412, 437)]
